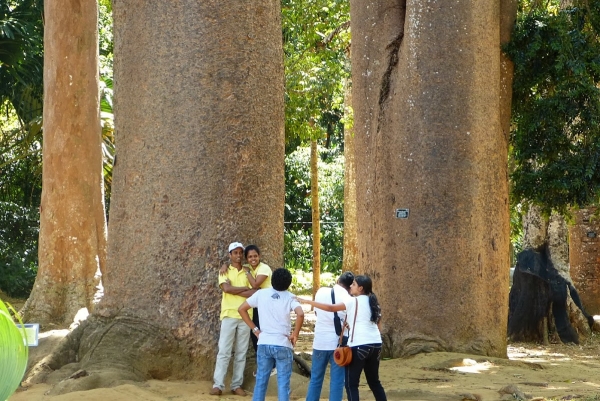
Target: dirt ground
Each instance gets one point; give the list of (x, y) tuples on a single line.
[(554, 372)]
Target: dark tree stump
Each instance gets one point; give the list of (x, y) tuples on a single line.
[(540, 292)]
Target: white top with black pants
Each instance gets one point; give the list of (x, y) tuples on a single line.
[(366, 349)]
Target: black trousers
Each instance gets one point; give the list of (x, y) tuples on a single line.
[(252, 335), (364, 357)]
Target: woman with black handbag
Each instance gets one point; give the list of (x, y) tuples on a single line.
[(366, 341)]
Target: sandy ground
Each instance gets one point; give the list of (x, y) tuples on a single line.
[(554, 372)]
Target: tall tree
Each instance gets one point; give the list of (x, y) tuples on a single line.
[(315, 38), (556, 109), (200, 171), (72, 244), (428, 109), (316, 216), (556, 105), (350, 256)]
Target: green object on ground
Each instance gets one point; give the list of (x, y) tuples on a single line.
[(13, 352)]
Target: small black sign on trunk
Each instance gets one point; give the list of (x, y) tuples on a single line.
[(402, 213)]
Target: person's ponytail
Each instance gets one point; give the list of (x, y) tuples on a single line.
[(367, 289), (375, 308)]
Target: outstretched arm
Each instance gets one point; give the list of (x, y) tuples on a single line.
[(326, 307)]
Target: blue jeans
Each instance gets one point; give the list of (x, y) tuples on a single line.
[(320, 360), (267, 358), (364, 357)]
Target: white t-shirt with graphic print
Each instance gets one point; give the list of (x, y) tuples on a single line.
[(275, 307)]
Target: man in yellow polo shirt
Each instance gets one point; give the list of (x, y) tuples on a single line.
[(234, 332)]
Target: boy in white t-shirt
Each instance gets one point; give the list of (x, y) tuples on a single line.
[(275, 343)]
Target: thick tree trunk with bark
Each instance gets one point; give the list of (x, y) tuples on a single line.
[(72, 242), (550, 233), (584, 256), (200, 156), (430, 97)]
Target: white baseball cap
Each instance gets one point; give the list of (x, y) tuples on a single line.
[(235, 245)]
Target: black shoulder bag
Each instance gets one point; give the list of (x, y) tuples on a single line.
[(337, 322)]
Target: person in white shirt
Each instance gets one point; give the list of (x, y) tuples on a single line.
[(326, 338), (275, 343), (364, 336)]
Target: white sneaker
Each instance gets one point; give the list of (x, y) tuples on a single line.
[(274, 372)]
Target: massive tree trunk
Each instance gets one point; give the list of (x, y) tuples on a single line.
[(584, 257), (430, 103), (200, 156), (350, 259), (72, 242)]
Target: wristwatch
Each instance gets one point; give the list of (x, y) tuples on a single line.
[(255, 329)]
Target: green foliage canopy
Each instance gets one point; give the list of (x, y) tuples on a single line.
[(20, 193), (555, 135), (21, 58), (315, 42)]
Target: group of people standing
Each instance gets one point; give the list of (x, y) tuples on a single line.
[(253, 287)]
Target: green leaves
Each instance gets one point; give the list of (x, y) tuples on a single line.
[(21, 62), (556, 107), (297, 214), (316, 36), (13, 353), (19, 229)]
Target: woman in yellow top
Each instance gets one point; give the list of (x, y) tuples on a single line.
[(259, 276)]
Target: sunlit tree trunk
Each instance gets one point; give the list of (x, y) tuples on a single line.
[(584, 257), (316, 215), (429, 119), (72, 242), (548, 232), (200, 163), (350, 258)]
